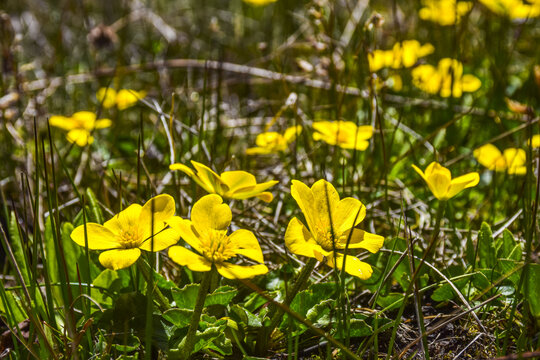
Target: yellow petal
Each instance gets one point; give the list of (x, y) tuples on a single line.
[(103, 123), (62, 122), (184, 257), (161, 241), (185, 229), (266, 196), (81, 137), (232, 271), (420, 172), (210, 178), (361, 239), (462, 182), (238, 179), (211, 213), (156, 212), (245, 243), (299, 240), (86, 118), (291, 133), (487, 155), (106, 97), (186, 170), (99, 237), (348, 213), (258, 151), (326, 199), (125, 219), (353, 266), (304, 198), (126, 98), (439, 184), (247, 192), (470, 83), (514, 157), (535, 141), (119, 258)]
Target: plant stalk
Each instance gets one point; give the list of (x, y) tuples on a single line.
[(189, 341)]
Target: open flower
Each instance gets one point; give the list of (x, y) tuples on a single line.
[(134, 229), (206, 233), (230, 184), (534, 141), (440, 182), (330, 228), (79, 126), (514, 9), (447, 79), (273, 142), (510, 160), (344, 134), (123, 98), (402, 55), (444, 12)]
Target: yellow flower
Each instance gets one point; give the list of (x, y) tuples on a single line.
[(447, 79), (402, 55), (206, 233), (344, 134), (535, 141), (259, 2), (514, 9), (440, 182), (80, 126), (230, 184), (511, 160), (331, 225), (123, 99), (273, 142), (130, 231), (444, 12)]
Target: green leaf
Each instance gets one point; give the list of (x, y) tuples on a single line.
[(221, 296), (132, 343), (18, 248), (446, 292), (111, 280), (179, 317), (508, 247), (186, 297), (319, 315), (391, 301), (533, 289), (213, 338), (95, 211), (359, 328), (241, 315), (486, 249)]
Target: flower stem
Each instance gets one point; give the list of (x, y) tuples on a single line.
[(298, 286), (189, 340), (146, 271)]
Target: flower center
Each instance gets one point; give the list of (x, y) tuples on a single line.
[(215, 246), (130, 238), (342, 136), (329, 241)]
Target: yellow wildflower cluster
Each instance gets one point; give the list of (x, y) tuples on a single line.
[(444, 12), (402, 55), (122, 99), (79, 126), (271, 142), (514, 9), (447, 79), (511, 160)]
